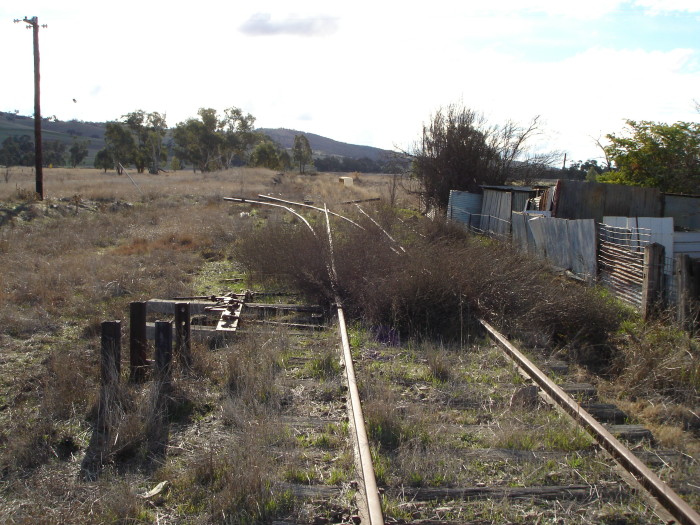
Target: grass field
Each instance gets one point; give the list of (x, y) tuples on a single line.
[(99, 241)]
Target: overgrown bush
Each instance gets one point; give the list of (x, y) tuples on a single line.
[(440, 285)]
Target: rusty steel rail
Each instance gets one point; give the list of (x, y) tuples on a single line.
[(304, 205), (373, 505), (668, 499)]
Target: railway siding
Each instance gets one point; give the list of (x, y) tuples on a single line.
[(458, 435)]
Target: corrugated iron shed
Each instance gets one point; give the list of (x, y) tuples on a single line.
[(498, 204), (464, 207), (591, 200)]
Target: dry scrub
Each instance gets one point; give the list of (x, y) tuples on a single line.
[(442, 283)]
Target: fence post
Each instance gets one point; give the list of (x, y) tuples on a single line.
[(138, 342), (183, 347), (164, 350), (652, 286), (111, 352), (687, 290)]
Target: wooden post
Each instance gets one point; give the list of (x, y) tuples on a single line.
[(164, 350), (183, 346), (687, 280), (38, 154), (652, 287), (111, 351), (138, 342)]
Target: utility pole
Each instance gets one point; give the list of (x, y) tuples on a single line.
[(38, 155)]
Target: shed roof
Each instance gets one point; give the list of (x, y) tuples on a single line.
[(508, 188)]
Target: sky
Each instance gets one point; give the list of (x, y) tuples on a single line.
[(363, 72)]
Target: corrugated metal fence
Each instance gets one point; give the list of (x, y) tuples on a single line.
[(567, 244)]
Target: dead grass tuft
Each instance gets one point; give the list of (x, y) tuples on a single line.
[(659, 359), (235, 485), (250, 380)]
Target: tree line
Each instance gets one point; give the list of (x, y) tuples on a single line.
[(210, 141), (18, 150)]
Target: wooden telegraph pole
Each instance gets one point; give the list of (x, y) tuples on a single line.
[(38, 155)]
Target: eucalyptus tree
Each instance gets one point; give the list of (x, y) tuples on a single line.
[(301, 152)]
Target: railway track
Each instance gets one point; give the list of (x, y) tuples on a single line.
[(481, 435)]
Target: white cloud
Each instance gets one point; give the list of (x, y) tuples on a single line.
[(262, 24)]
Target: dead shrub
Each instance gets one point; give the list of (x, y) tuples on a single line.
[(440, 286), (288, 254)]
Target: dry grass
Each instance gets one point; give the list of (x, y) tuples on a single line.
[(85, 185), (97, 243)]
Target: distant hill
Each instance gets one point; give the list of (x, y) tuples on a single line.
[(324, 146), (64, 131)]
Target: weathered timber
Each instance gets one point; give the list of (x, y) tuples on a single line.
[(580, 390), (164, 306), (652, 288), (310, 491), (605, 413), (631, 433), (164, 350), (138, 341), (229, 319), (197, 333), (183, 329)]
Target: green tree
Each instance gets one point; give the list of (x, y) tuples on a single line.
[(53, 153), (148, 130), (17, 150), (211, 142), (78, 151), (301, 152), (238, 136), (285, 160), (266, 155), (120, 144), (656, 155), (103, 160), (585, 170), (197, 141)]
